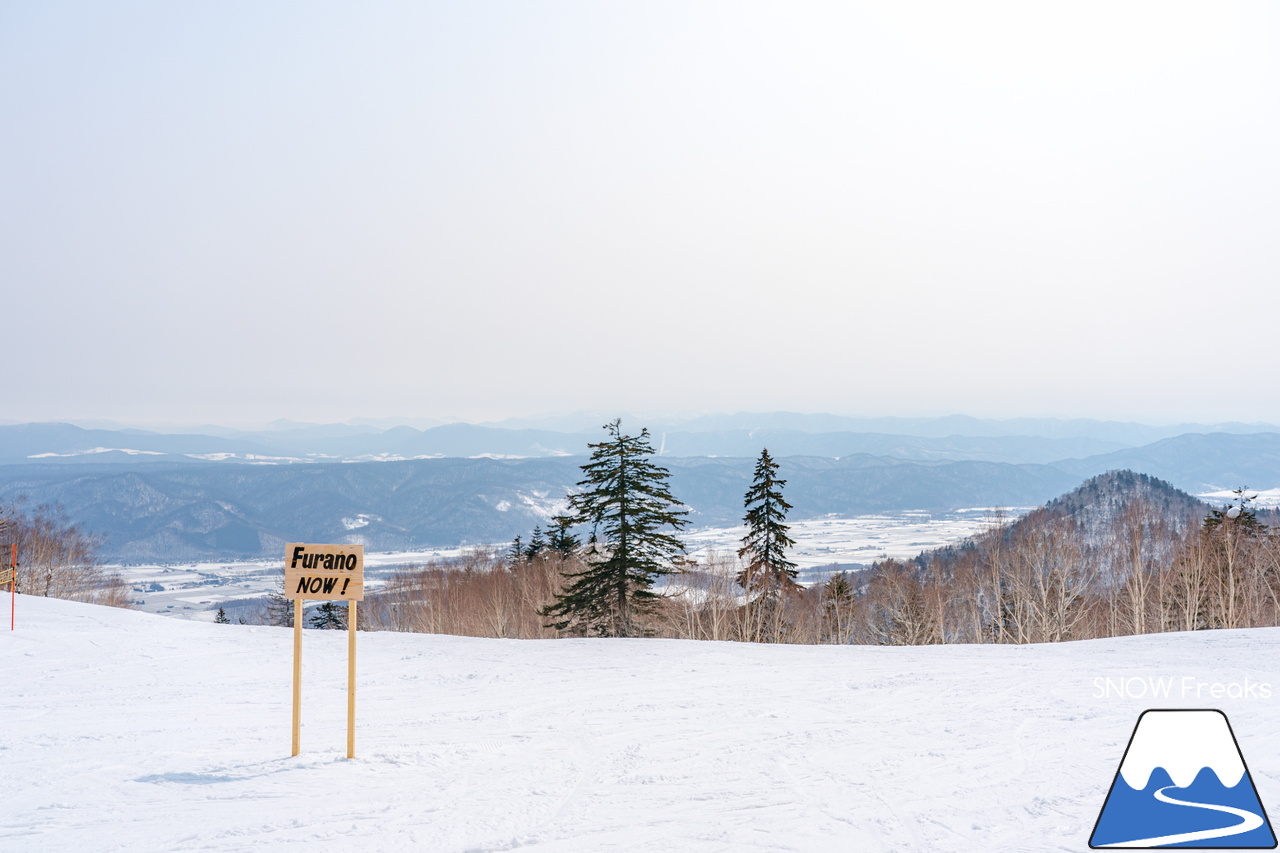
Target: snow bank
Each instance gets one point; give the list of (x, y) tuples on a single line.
[(125, 731)]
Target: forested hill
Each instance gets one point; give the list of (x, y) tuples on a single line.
[(1093, 513), (1099, 500)]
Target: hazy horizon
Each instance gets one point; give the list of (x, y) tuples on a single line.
[(632, 421), (240, 212)]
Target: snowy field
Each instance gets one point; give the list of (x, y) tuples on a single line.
[(1267, 498), (196, 590), (130, 732), (860, 539)]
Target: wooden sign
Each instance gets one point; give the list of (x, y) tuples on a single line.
[(7, 576), (329, 572), (333, 573)]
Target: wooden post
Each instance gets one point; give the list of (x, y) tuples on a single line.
[(351, 679), (297, 675)]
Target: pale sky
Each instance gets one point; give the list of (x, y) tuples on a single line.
[(232, 212)]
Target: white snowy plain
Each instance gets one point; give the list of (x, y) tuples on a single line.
[(195, 590), (124, 731)]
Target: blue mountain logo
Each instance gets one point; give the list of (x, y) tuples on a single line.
[(1183, 783)]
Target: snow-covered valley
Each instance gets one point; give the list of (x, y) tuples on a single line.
[(863, 539), (196, 590), (126, 731)]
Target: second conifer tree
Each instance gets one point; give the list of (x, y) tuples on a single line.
[(767, 571)]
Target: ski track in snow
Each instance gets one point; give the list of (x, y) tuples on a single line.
[(131, 732)]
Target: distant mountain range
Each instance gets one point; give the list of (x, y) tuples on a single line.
[(1197, 463), (1124, 433), (218, 511), (951, 439), (187, 496)]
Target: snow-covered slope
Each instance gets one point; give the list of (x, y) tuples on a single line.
[(124, 731)]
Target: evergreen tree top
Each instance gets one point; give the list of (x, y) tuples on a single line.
[(625, 499), (765, 545), (625, 492), (1238, 513)]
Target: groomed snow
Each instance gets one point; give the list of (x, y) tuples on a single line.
[(128, 731)]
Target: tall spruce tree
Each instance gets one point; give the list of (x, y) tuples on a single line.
[(764, 548), (625, 499)]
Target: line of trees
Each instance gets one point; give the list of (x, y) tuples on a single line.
[(277, 610), (1044, 579), (56, 558)]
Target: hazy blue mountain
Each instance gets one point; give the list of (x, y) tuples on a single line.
[(227, 510), (467, 440), (1121, 433), (234, 510), (346, 442), (461, 440), (293, 434), (1193, 461), (781, 442), (1197, 463), (416, 423), (165, 510), (20, 442), (581, 422)]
